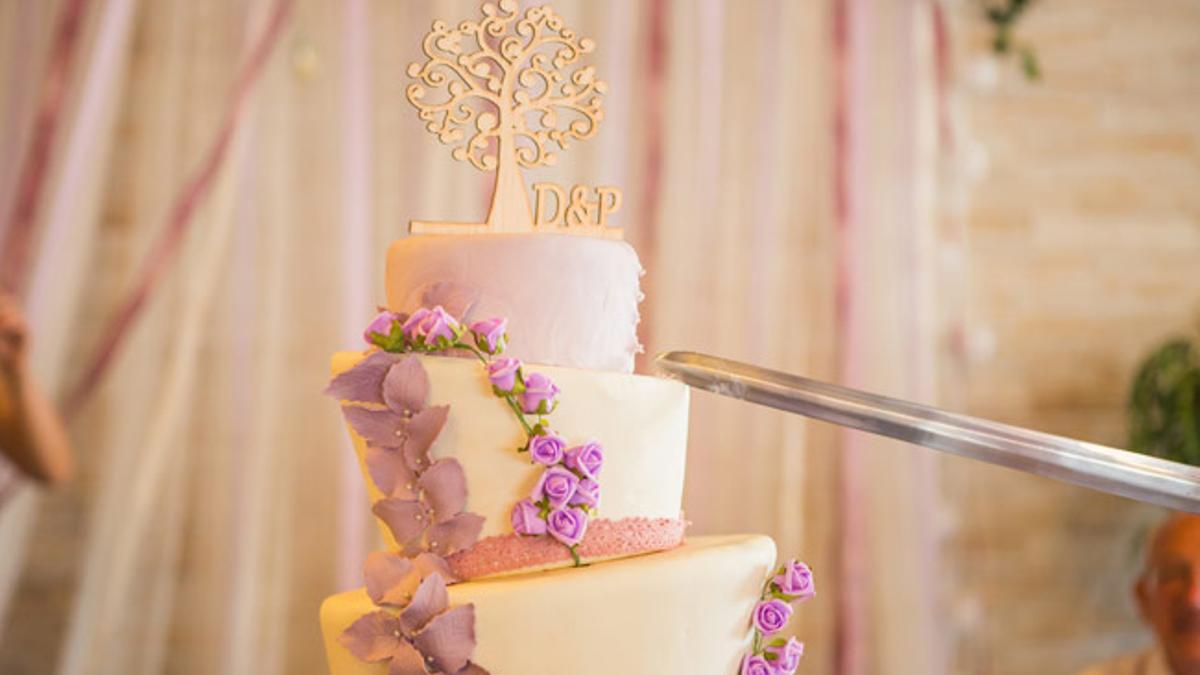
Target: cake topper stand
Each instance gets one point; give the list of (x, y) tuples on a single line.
[(1119, 472), (508, 92)]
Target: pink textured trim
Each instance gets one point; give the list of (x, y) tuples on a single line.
[(604, 539)]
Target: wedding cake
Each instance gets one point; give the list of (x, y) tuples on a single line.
[(528, 485)]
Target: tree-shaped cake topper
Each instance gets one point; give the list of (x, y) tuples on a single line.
[(507, 93)]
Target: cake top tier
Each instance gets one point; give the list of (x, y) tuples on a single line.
[(509, 92), (570, 301)]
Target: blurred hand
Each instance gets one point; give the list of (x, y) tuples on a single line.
[(13, 332)]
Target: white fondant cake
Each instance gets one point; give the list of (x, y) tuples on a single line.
[(642, 422), (681, 612), (570, 301), (528, 487)]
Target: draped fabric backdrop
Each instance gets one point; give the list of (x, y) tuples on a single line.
[(779, 161)]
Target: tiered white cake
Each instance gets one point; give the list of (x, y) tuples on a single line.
[(528, 486), (686, 610)]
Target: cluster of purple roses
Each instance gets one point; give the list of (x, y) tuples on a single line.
[(566, 494), (568, 491), (791, 583)]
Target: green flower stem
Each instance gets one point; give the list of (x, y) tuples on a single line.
[(508, 398), (575, 555)]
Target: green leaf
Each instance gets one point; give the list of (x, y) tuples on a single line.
[(1029, 63)]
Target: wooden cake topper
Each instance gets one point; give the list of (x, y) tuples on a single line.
[(505, 103)]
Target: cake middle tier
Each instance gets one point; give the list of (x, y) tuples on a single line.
[(640, 421)]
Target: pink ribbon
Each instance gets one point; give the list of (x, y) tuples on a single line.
[(14, 266), (653, 86), (179, 218)]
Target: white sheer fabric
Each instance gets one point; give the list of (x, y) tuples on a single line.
[(215, 508)]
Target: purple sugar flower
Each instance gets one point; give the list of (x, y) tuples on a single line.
[(411, 327), (757, 665), (431, 326), (787, 656), (586, 459), (490, 335), (795, 581), (547, 449), (381, 325), (556, 485), (540, 394), (526, 519), (587, 494), (503, 373), (567, 525), (770, 616)]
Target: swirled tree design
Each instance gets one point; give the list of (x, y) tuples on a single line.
[(504, 100)]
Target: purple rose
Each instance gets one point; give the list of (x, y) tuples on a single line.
[(540, 394), (431, 324), (787, 657), (587, 493), (795, 581), (527, 519), (381, 324), (770, 616), (557, 485), (757, 665), (547, 449), (503, 373), (567, 525), (413, 324), (490, 332), (587, 459)]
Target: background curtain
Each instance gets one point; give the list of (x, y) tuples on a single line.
[(778, 166)]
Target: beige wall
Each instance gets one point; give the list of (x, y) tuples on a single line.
[(1083, 228)]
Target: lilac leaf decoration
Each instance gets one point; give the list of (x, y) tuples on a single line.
[(407, 661), (428, 563), (419, 434), (373, 637), (406, 386), (391, 579), (406, 519), (390, 472), (377, 427), (458, 300), (364, 382), (430, 600), (455, 534), (445, 487), (472, 669), (449, 638)]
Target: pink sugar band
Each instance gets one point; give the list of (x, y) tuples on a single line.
[(604, 539)]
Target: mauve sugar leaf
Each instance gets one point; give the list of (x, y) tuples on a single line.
[(372, 637), (449, 638), (445, 486), (406, 386), (420, 432), (377, 427), (456, 299), (364, 382), (429, 563), (407, 661), (455, 534), (472, 669), (390, 578), (430, 600), (406, 519), (391, 473)]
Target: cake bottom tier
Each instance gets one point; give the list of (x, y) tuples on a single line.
[(679, 612)]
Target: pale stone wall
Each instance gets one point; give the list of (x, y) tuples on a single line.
[(1083, 231)]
